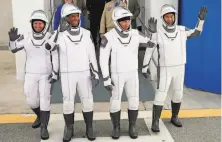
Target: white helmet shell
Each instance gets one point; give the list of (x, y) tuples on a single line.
[(119, 13), (39, 15), (68, 9), (167, 8)]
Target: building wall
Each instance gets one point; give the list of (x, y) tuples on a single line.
[(6, 20)]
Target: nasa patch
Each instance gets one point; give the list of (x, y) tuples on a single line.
[(109, 8)]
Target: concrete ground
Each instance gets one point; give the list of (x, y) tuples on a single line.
[(194, 130)]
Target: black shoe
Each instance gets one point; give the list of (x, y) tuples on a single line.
[(156, 116), (68, 131), (44, 117), (37, 122), (175, 110), (88, 117), (115, 117), (132, 115)]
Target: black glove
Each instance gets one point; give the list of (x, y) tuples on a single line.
[(110, 87), (152, 25), (13, 34), (48, 46), (96, 80), (146, 74), (203, 12), (52, 78)]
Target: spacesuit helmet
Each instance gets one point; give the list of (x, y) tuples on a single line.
[(68, 10), (121, 14), (36, 16), (166, 9)]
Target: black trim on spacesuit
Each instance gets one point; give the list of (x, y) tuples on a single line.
[(106, 78), (76, 40), (38, 45), (171, 37), (56, 73), (158, 67), (169, 30), (55, 47), (121, 34), (39, 38), (194, 34), (126, 42), (17, 49), (92, 68), (144, 66)]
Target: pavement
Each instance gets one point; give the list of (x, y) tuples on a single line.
[(200, 114)]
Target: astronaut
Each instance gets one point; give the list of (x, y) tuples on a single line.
[(78, 65), (170, 61), (40, 70), (121, 44)]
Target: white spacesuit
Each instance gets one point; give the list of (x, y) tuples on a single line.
[(77, 63), (170, 62), (40, 70), (122, 47)]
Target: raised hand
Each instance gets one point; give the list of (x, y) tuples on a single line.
[(152, 25), (202, 13), (63, 25), (13, 34)]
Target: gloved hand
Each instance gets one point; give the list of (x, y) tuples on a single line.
[(51, 46), (52, 77), (48, 46), (203, 12), (95, 77), (64, 25), (109, 84), (152, 25), (146, 72), (13, 34)]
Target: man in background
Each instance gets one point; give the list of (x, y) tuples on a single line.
[(134, 8), (57, 16), (106, 23), (95, 10)]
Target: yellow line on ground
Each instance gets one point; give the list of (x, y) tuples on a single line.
[(194, 113), (16, 118), (21, 118)]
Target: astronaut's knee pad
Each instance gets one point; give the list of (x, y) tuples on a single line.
[(68, 106), (178, 96), (115, 106), (133, 103), (32, 102), (87, 105), (45, 103), (160, 97)]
